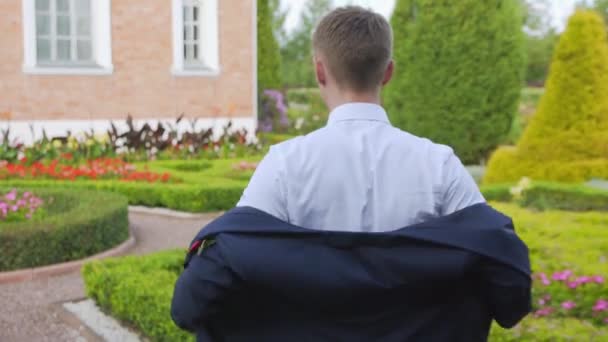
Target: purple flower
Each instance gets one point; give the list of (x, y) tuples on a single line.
[(562, 276), (573, 284), (568, 305), (601, 305), (544, 279), (21, 203), (598, 279), (27, 194), (584, 280), (542, 302), (543, 312), (11, 196)]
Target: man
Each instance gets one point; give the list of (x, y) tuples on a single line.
[(358, 231)]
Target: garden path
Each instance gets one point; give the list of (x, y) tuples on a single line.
[(30, 311)]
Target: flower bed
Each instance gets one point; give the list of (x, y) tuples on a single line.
[(15, 207), (558, 241), (76, 224), (64, 169)]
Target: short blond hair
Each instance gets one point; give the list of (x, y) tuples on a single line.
[(357, 44)]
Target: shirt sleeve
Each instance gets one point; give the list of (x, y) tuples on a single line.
[(460, 190), (266, 189)]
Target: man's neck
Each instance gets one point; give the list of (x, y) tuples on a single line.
[(338, 100)]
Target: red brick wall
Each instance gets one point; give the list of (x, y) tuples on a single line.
[(142, 83)]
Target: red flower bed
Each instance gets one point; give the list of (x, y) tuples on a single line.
[(102, 168)]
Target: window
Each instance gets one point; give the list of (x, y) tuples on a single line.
[(67, 36), (63, 32), (195, 41)]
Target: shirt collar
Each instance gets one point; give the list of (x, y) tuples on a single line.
[(358, 111)]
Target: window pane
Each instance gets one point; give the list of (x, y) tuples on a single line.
[(63, 5), (42, 5), (83, 7), (195, 28), (43, 49), (84, 50), (188, 53), (63, 50), (83, 26), (187, 32), (195, 13), (63, 25), (195, 56), (187, 13), (43, 24)]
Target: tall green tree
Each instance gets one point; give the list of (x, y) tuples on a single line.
[(269, 56), (459, 71), (279, 15), (296, 53), (602, 7)]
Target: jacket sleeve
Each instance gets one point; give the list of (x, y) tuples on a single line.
[(509, 293), (201, 289)]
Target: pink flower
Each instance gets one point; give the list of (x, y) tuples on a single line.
[(584, 280), (568, 305), (21, 203), (544, 279), (11, 196), (542, 302), (601, 305), (598, 279), (14, 208), (573, 284), (28, 216), (562, 276), (27, 194), (543, 312)]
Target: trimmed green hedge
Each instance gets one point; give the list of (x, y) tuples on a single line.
[(78, 223), (545, 195), (138, 289)]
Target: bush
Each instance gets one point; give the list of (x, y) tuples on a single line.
[(77, 224), (566, 139), (307, 110), (138, 290), (269, 55), (459, 71)]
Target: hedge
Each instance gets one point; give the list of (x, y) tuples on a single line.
[(203, 187), (566, 139), (78, 223), (546, 195), (138, 290), (459, 72)]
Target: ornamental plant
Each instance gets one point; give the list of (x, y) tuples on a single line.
[(102, 168), (273, 112), (564, 294), (16, 207)]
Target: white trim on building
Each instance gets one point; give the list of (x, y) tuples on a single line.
[(101, 35), (254, 67), (206, 41)]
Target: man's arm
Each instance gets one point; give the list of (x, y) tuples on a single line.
[(266, 190), (201, 289), (460, 189)]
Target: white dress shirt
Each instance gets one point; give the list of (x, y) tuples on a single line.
[(359, 173)]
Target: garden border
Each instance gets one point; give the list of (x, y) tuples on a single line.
[(41, 272)]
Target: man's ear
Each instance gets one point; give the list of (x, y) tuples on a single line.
[(320, 71), (388, 74)]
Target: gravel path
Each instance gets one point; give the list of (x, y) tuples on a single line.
[(29, 311)]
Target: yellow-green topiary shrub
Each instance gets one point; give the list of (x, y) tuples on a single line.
[(567, 139)]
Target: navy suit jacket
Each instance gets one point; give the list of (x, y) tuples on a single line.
[(263, 279)]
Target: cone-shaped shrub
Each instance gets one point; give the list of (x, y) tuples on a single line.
[(567, 138)]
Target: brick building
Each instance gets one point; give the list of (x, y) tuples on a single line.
[(77, 64)]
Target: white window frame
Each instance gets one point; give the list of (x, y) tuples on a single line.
[(101, 45), (209, 35)]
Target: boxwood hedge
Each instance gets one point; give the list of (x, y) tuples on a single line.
[(78, 223)]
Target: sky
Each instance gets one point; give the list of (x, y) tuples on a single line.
[(561, 9)]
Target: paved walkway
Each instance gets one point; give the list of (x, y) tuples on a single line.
[(29, 311)]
